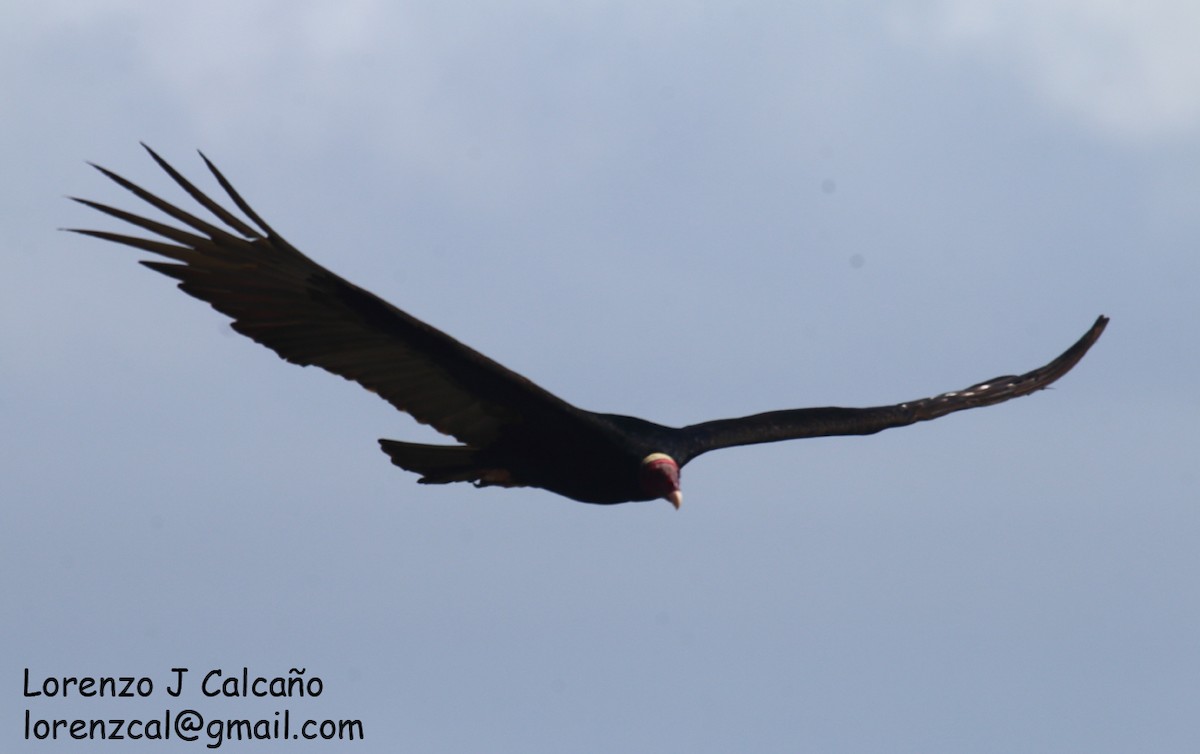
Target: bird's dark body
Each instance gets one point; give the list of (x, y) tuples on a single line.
[(513, 433), (598, 465)]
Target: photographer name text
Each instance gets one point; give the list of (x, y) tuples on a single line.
[(214, 683)]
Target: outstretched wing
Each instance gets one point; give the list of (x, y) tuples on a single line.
[(310, 316), (823, 422)]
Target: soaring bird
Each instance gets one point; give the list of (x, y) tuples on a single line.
[(512, 433)]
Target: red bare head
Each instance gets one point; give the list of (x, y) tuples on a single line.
[(659, 477)]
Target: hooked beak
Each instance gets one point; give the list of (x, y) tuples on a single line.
[(674, 497)]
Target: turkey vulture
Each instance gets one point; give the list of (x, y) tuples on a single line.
[(513, 433)]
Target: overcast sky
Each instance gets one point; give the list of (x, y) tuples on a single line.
[(681, 211)]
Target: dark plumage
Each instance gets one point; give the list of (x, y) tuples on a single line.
[(513, 433)]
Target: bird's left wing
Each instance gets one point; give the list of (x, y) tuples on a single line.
[(310, 316), (823, 422)]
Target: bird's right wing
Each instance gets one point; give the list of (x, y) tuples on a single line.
[(310, 316), (823, 422)]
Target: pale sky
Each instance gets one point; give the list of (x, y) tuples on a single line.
[(681, 211)]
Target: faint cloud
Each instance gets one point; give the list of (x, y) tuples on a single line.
[(222, 63), (1128, 70)]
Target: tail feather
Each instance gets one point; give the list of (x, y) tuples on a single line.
[(437, 464)]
